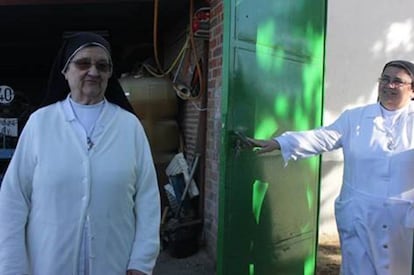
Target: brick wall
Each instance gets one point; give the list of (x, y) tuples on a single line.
[(213, 126), (191, 118)]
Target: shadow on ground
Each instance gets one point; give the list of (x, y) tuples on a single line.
[(329, 261), (197, 264)]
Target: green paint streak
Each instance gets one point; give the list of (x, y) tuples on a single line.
[(268, 58), (301, 121), (309, 267), (278, 59), (312, 77), (312, 84), (251, 269), (281, 106), (310, 261), (306, 228), (266, 128), (310, 196), (314, 164), (259, 193), (265, 32), (264, 37)]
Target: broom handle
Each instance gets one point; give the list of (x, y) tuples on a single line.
[(187, 185)]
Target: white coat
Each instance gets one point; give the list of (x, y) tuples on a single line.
[(374, 211), (54, 184)]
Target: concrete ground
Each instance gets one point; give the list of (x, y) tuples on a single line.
[(329, 260), (196, 264)]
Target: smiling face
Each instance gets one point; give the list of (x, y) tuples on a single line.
[(88, 74), (395, 89)]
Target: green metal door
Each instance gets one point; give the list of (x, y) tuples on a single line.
[(273, 56)]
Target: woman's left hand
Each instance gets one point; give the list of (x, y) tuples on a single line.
[(135, 272), (264, 145)]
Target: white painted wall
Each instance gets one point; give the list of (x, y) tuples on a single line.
[(361, 37)]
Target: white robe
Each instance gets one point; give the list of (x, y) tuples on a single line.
[(374, 211), (53, 184)]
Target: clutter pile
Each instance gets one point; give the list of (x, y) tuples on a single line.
[(180, 227)]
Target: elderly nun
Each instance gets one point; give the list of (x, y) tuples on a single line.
[(80, 195)]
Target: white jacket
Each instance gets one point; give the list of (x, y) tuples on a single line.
[(374, 210), (53, 184)]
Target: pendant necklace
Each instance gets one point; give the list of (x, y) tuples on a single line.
[(392, 121), (89, 142), (87, 116)]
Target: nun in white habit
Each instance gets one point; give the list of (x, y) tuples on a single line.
[(374, 211), (80, 196)]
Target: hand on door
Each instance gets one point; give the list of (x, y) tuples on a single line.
[(264, 145)]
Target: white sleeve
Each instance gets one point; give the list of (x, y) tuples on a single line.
[(146, 245), (15, 200), (302, 144)]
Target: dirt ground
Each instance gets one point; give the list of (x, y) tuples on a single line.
[(197, 264), (329, 256), (329, 260)]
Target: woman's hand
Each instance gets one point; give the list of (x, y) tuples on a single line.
[(135, 272), (266, 145)]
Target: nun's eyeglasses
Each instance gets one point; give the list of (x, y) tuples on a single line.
[(84, 64), (395, 82)]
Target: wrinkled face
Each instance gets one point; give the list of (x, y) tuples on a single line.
[(395, 88), (88, 74)]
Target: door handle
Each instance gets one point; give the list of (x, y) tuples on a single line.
[(240, 142)]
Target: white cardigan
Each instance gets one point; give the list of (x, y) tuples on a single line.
[(53, 184), (375, 210)]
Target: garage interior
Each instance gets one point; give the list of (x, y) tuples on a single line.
[(155, 40), (31, 33)]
